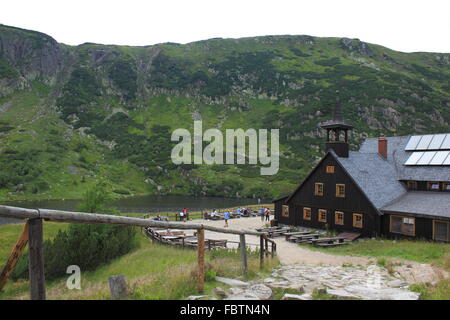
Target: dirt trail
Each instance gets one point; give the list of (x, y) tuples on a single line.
[(288, 253)]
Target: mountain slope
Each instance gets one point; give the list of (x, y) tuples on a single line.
[(71, 115)]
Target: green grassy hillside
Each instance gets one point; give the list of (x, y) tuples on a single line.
[(71, 115)]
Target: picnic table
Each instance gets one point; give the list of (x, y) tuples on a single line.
[(294, 233), (295, 237), (172, 237), (327, 242), (277, 233), (305, 237)]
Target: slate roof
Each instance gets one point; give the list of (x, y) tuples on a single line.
[(397, 156), (374, 175), (425, 203), (379, 179)]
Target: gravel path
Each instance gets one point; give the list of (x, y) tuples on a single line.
[(287, 252), (293, 254)]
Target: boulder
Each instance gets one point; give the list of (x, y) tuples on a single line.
[(118, 286), (202, 297), (261, 291), (232, 282), (220, 292), (289, 296)]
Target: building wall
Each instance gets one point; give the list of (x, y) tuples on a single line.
[(281, 219), (353, 202), (423, 227)]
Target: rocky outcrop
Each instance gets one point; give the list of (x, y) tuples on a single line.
[(32, 54), (356, 45)]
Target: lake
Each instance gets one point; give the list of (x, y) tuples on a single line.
[(141, 204)]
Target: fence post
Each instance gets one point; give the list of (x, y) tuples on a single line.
[(201, 259), (36, 261), (267, 247), (261, 252), (243, 253), (16, 252)]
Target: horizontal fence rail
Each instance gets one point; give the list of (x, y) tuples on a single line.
[(82, 217), (34, 218)]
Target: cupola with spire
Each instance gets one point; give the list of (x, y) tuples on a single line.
[(337, 131)]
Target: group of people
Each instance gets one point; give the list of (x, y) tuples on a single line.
[(264, 214), (184, 215)]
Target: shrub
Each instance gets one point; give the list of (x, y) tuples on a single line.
[(85, 245)]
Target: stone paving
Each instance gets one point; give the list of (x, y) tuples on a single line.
[(341, 282), (360, 282)]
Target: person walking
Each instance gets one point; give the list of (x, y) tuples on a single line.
[(186, 214), (181, 214), (226, 216), (267, 214), (261, 213)]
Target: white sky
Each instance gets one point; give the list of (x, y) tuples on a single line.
[(404, 25)]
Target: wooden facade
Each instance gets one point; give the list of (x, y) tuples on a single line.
[(423, 227), (319, 203), (321, 194)]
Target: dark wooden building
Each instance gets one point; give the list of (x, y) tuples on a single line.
[(397, 187)]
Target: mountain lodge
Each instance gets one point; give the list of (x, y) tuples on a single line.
[(395, 187)]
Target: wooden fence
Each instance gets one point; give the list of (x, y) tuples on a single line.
[(33, 233)]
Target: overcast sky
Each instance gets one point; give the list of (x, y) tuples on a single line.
[(404, 25)]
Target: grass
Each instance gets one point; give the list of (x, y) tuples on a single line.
[(420, 251), (440, 291), (10, 233), (153, 271)]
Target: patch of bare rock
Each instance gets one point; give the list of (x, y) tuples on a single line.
[(341, 282)]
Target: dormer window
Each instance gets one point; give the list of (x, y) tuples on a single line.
[(433, 186), (446, 186)]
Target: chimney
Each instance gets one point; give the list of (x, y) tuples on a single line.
[(382, 147)]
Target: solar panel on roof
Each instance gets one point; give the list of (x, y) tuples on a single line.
[(426, 158), (447, 161), (424, 142), (446, 143), (413, 158), (436, 142), (412, 143), (439, 158)]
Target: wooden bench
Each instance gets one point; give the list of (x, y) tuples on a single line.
[(213, 243), (296, 237), (277, 233), (305, 238), (328, 240), (323, 244), (295, 233)]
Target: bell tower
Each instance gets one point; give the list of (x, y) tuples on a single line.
[(337, 132)]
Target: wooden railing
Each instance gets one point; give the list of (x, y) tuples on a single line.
[(34, 235)]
